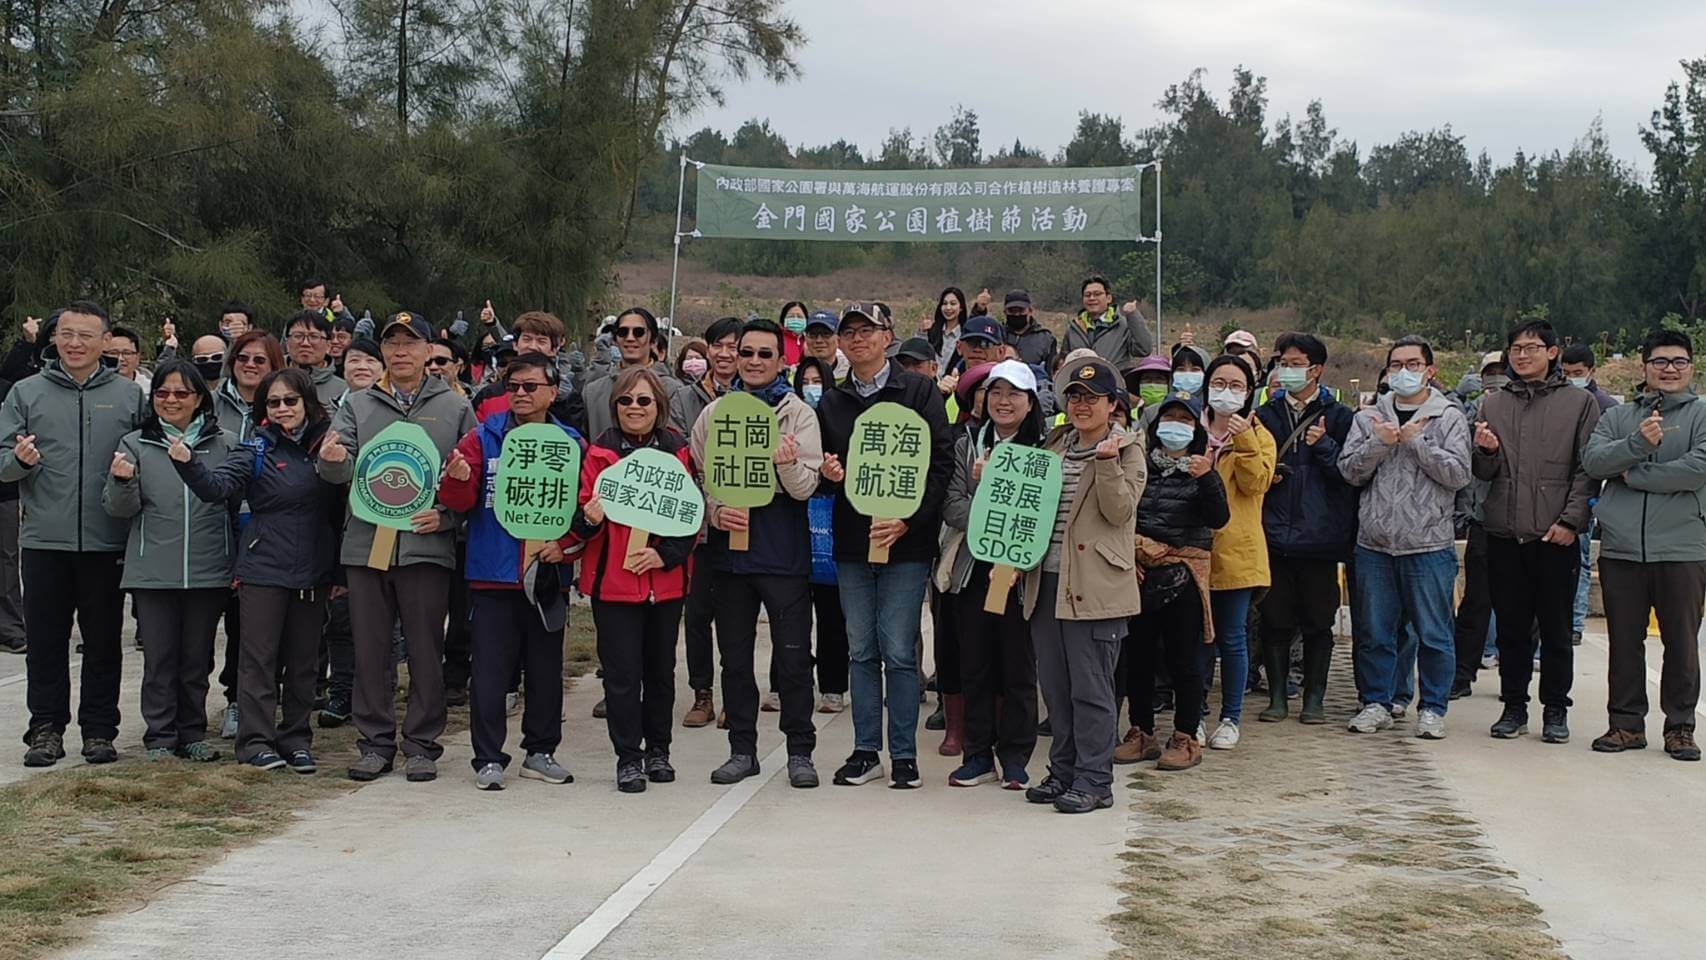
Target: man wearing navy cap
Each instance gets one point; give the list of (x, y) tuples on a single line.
[(1033, 342)]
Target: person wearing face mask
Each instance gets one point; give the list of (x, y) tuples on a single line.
[(1188, 367), (1029, 339), (793, 320), (810, 378), (1150, 380), (1472, 634), (692, 362), (207, 354), (1578, 361)]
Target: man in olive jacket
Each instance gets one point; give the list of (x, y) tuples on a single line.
[(1528, 444), (416, 587), (1652, 544), (61, 428)]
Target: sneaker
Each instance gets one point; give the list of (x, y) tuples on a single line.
[(598, 710), (455, 696), (301, 761), (833, 703), (861, 767), (1512, 723), (47, 747), (1554, 725), (370, 766), (1137, 747), (801, 774), (228, 726), (1461, 689), (658, 769), (1370, 719), (1077, 801), (1202, 734), (723, 720), (99, 750), (1182, 752), (544, 766), (631, 777), (1225, 736), (1617, 741), (157, 754), (419, 769), (1576, 638), (903, 775), (772, 703), (15, 645), (266, 760), (702, 712), (1014, 778), (1679, 743), (975, 771), (1399, 710), (1043, 728), (1490, 662), (1048, 791), (1430, 725), (512, 703), (489, 777), (736, 768), (336, 712)]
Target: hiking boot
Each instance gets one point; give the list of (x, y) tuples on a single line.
[(336, 712), (598, 709), (489, 777), (1370, 719), (420, 769), (702, 711), (772, 703), (99, 750), (1077, 801), (1512, 723), (631, 777), (1617, 741), (658, 769), (1050, 790), (266, 760), (736, 768), (1679, 743), (1461, 689), (1554, 725), (370, 766), (833, 703), (1225, 737), (47, 748), (228, 723), (1317, 658), (544, 766), (1430, 725), (1182, 752), (903, 775), (801, 774), (1275, 660), (157, 754), (975, 771), (861, 767), (15, 645), (1137, 746), (200, 751)]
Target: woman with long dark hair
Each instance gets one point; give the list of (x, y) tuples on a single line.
[(812, 377), (943, 328)]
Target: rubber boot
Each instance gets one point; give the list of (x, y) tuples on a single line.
[(939, 719), (954, 706), (1276, 663), (1317, 657)]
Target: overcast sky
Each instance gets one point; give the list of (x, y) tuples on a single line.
[(1506, 74)]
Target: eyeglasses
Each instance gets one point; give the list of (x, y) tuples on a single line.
[(762, 353), (124, 354), (641, 402), (1669, 363), (171, 394), (1082, 398), (861, 332), (273, 403), (1219, 384), (252, 359), (75, 336), (1414, 366), (529, 386), (305, 336), (1526, 349), (632, 333), (210, 358)]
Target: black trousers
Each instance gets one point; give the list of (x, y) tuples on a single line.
[(233, 642), (458, 633), (284, 634), (60, 585), (636, 644), (831, 639), (788, 602), (1475, 610), (1534, 583), (1674, 591), (339, 648), (1170, 632), (1303, 598), (998, 675), (507, 631), (700, 615), (176, 627), (945, 641)]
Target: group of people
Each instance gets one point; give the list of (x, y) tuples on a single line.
[(1211, 505)]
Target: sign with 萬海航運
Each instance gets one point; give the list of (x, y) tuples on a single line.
[(888, 462), (740, 455), (535, 489), (650, 491), (1013, 514)]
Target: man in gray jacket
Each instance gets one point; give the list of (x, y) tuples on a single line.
[(416, 586), (1652, 544), (1410, 453), (1117, 337), (62, 427), (1528, 445), (636, 335)]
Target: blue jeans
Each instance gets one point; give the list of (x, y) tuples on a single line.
[(1231, 610), (1390, 590), (882, 603), (1580, 615), (1404, 673)]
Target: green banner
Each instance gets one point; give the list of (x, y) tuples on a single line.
[(888, 462), (396, 476), (1013, 511), (536, 486), (908, 206), (650, 490), (740, 450)]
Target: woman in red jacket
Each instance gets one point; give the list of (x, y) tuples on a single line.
[(636, 600)]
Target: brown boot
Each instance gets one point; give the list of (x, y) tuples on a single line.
[(953, 741), (1617, 741), (1679, 743), (1137, 746), (1183, 752), (703, 710)]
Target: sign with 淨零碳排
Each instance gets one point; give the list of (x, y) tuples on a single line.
[(535, 488)]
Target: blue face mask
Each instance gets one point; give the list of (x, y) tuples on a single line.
[(1175, 435), (1405, 383), (1580, 382), (1189, 381), (812, 393)]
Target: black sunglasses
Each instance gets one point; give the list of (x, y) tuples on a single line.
[(290, 401), (525, 386), (632, 333), (762, 353), (641, 402)]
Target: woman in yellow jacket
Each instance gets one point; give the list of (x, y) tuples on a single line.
[(1243, 452)]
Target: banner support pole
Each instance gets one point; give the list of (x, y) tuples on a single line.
[(1158, 340), (675, 266)]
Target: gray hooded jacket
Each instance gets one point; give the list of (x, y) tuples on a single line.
[(1408, 486)]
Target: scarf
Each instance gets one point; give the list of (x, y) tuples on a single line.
[(772, 393), (191, 433), (1167, 464)]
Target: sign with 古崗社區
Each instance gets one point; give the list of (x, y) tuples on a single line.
[(740, 451), (650, 490), (981, 205), (1013, 514), (535, 489)]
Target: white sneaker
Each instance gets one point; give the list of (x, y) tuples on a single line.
[(1430, 725), (833, 703), (1202, 734), (772, 702), (1490, 662), (512, 704), (1370, 719), (1225, 736), (1399, 709)]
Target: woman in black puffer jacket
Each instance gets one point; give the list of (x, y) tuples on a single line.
[(1183, 504)]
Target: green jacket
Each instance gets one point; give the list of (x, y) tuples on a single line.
[(445, 415), (77, 427), (177, 540), (1651, 509)]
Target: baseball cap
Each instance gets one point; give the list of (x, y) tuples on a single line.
[(867, 312), (414, 322), (982, 328), (505, 344), (1492, 357), (821, 318), (916, 348), (1180, 398), (1098, 378), (1241, 338), (1020, 295), (1018, 374)]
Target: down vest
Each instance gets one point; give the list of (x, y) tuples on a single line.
[(1181, 510)]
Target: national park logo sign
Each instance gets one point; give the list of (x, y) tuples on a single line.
[(396, 476)]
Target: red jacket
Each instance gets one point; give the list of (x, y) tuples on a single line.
[(466, 497), (602, 576)]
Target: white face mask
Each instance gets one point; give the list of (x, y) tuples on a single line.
[(1226, 400), (1581, 382)]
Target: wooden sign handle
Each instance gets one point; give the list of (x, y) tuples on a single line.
[(384, 544), (529, 550), (637, 540), (1000, 585), (740, 540), (877, 554)]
